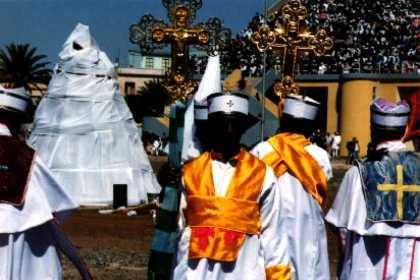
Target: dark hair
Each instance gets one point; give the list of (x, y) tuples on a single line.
[(289, 123), (379, 134), (12, 116)]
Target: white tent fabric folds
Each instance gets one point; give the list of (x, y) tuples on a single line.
[(84, 130), (210, 83)]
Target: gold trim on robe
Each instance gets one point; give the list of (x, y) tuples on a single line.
[(278, 272), (219, 225), (290, 155)]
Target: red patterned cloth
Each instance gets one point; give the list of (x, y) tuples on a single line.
[(413, 128)]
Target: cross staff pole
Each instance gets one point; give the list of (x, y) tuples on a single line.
[(151, 34)]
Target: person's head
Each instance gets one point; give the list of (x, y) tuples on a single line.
[(299, 115), (14, 104), (388, 120), (228, 120)]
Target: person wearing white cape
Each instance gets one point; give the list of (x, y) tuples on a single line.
[(84, 130), (32, 203), (377, 206), (302, 169), (229, 208)]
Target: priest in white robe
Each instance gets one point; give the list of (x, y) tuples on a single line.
[(303, 193), (194, 144), (32, 203), (377, 205), (84, 131), (230, 206)]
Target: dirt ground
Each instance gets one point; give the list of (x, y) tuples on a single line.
[(117, 246)]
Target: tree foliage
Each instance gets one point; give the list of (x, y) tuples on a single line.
[(150, 100), (21, 66)]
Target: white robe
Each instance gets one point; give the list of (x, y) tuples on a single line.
[(303, 219), (257, 253), (366, 244), (27, 248)]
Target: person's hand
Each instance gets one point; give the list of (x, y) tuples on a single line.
[(169, 175)]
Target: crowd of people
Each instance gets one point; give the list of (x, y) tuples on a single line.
[(154, 144), (332, 144), (224, 212), (369, 37)]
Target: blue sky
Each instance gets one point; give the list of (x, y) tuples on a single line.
[(46, 23)]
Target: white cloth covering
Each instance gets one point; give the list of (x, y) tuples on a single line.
[(85, 132), (27, 248), (257, 253), (373, 250), (303, 219), (210, 83)]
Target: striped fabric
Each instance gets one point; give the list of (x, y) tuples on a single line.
[(165, 237)]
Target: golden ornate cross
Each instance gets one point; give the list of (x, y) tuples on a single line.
[(400, 189), (151, 34), (290, 39), (180, 36)]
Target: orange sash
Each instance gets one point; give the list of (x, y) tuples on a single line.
[(290, 155), (219, 224)]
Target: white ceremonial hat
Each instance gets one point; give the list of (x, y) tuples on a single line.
[(301, 107), (16, 99), (389, 115), (228, 103)]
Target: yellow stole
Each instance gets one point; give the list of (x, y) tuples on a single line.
[(219, 224), (290, 155)]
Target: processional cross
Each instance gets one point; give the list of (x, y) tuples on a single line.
[(151, 34), (290, 39), (400, 189)]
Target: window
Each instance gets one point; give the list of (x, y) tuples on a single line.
[(149, 62), (129, 88), (166, 64)]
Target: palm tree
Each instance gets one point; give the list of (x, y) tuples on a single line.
[(20, 66), (150, 100)]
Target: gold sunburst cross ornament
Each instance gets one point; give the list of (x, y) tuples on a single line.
[(290, 39)]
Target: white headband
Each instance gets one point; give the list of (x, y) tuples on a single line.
[(15, 99), (301, 108), (389, 120), (228, 103), (201, 112)]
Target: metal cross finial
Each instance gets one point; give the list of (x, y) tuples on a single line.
[(290, 39), (151, 34)]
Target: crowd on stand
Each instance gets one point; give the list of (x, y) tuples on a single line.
[(369, 37)]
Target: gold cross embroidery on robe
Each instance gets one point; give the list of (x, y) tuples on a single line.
[(400, 189)]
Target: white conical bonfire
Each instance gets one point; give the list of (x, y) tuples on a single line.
[(210, 83), (84, 130)]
